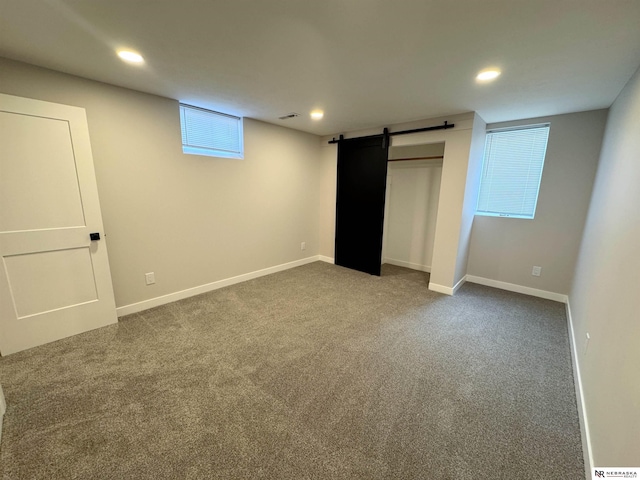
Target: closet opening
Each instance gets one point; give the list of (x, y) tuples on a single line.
[(411, 205)]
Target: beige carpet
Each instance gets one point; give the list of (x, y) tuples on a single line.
[(318, 372)]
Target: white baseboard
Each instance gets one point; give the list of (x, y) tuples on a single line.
[(512, 287), (190, 292), (447, 290), (3, 408), (412, 266), (322, 258), (440, 288), (457, 286), (582, 410)]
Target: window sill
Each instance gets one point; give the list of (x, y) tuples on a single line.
[(504, 215), (212, 153)]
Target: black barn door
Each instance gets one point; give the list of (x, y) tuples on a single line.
[(362, 180)]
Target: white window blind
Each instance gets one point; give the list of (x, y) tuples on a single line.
[(205, 132), (512, 170)]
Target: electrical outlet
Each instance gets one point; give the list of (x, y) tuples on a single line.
[(303, 246), (536, 271), (150, 278)]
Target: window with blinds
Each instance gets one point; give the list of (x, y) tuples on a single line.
[(205, 132), (512, 170)]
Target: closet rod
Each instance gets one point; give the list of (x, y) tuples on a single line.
[(414, 158)]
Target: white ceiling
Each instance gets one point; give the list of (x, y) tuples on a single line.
[(366, 63)]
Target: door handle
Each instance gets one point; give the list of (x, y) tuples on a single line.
[(94, 236)]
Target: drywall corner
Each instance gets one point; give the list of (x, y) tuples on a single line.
[(435, 287), (472, 184)]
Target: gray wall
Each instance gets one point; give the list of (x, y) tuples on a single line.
[(605, 297), (190, 219), (506, 249)]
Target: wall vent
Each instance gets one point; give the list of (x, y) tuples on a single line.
[(288, 116)]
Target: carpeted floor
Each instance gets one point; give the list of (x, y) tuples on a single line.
[(318, 372)]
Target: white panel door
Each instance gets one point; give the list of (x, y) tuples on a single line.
[(54, 280)]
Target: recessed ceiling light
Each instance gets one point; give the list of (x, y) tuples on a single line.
[(488, 75), (130, 56), (317, 114)]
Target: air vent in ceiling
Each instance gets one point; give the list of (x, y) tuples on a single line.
[(289, 115)]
